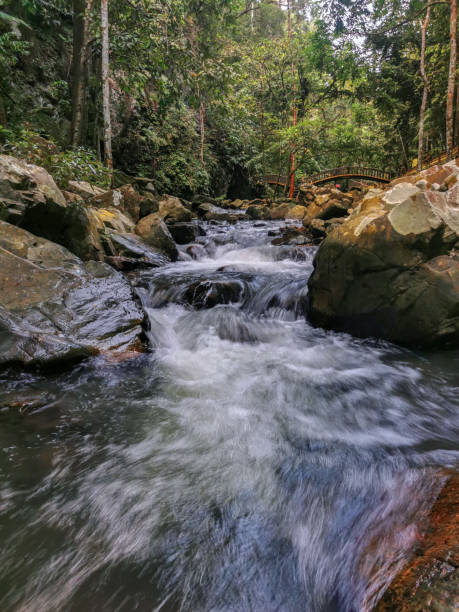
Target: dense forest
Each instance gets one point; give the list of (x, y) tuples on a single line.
[(204, 95)]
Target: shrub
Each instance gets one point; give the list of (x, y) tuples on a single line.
[(79, 164)]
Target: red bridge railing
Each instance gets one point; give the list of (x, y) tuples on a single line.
[(355, 171), (328, 175)]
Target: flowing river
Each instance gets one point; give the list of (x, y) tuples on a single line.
[(248, 463)]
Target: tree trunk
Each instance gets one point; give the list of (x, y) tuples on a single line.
[(81, 18), (262, 126), (106, 85), (405, 156), (292, 156), (3, 119), (456, 136), (202, 113), (425, 94), (451, 81)]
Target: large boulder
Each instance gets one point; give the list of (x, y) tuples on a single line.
[(29, 196), (391, 270), (153, 231), (54, 308), (172, 210)]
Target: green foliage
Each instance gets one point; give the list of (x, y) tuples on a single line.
[(11, 49), (27, 144), (79, 164), (355, 86)]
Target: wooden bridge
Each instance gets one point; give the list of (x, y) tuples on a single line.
[(356, 172), (336, 174)]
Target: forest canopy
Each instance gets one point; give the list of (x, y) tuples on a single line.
[(205, 95)]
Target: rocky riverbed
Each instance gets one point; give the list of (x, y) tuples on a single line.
[(177, 436)]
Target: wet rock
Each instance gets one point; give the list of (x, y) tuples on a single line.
[(390, 269), (172, 210), (131, 253), (154, 232), (54, 308), (430, 579), (207, 294), (203, 208), (209, 212), (184, 233)]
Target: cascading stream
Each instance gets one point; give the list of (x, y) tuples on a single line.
[(249, 463)]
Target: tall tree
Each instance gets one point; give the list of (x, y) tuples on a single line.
[(425, 93), (292, 156), (106, 84), (81, 23), (451, 80)]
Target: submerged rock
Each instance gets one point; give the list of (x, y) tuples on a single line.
[(391, 270), (207, 294), (55, 308)]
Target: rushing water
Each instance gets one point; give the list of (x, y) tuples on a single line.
[(249, 463)]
